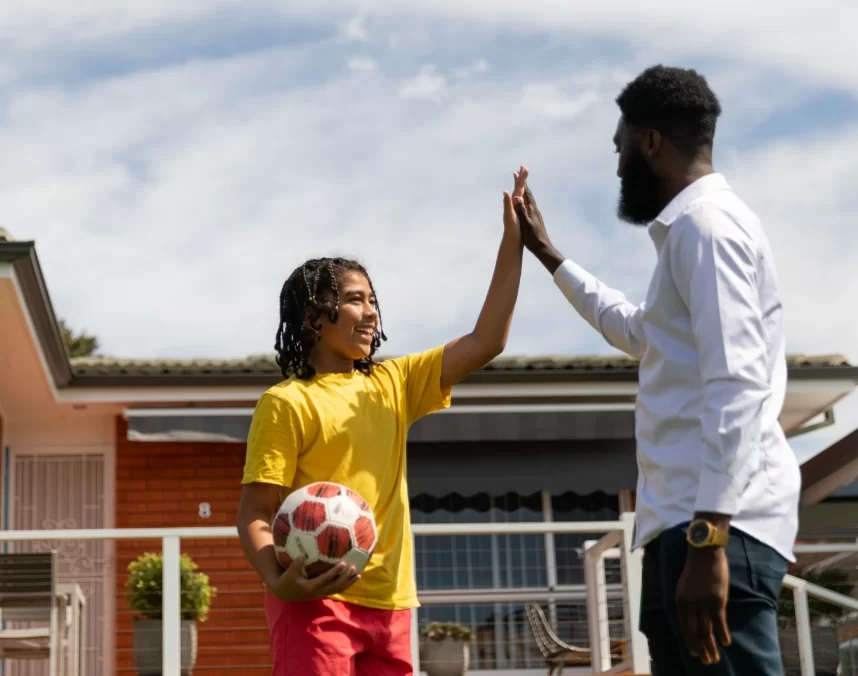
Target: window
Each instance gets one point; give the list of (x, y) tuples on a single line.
[(474, 562)]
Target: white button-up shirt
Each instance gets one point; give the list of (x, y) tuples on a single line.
[(713, 375)]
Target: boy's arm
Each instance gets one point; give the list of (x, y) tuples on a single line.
[(259, 502), (605, 309), (256, 509), (474, 350), (272, 450)]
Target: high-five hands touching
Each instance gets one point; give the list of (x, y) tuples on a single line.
[(533, 233), (510, 220)]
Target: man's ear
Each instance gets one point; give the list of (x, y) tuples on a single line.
[(651, 141)]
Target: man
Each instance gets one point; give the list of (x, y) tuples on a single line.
[(718, 485)]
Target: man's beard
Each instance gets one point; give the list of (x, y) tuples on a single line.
[(639, 202)]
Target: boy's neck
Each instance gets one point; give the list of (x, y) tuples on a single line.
[(331, 363)]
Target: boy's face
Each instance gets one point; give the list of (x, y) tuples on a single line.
[(350, 337)]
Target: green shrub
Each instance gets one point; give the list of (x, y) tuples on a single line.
[(145, 593), (438, 631)]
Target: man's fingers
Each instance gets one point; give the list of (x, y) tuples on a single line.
[(529, 198), (706, 639), (688, 623), (722, 631)]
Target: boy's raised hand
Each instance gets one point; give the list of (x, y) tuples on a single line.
[(294, 586), (510, 219)]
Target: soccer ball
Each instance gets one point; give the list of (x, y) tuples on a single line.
[(326, 522)]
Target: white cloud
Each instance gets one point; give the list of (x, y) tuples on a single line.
[(548, 100), (362, 64), (355, 29), (169, 204), (427, 84), (479, 67)]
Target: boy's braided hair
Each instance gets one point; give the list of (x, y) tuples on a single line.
[(311, 290)]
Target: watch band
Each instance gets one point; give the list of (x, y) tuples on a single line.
[(702, 534)]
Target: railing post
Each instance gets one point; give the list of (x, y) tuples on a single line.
[(802, 627), (597, 609), (632, 567), (172, 607)]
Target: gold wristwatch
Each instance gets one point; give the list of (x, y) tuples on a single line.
[(702, 534)]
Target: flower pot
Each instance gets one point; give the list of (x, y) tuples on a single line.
[(146, 644), (446, 657)]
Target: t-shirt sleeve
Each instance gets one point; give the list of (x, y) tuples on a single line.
[(273, 443), (421, 373)]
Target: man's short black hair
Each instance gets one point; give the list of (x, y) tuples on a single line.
[(675, 101)]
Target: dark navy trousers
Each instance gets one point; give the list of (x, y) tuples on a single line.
[(756, 576)]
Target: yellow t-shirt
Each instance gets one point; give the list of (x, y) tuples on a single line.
[(351, 429)]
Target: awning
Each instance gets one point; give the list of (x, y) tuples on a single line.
[(522, 467), (468, 452), (457, 424), (212, 425)]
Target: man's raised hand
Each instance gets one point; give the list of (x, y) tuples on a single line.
[(533, 233)]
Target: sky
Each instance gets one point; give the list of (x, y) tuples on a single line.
[(174, 162)]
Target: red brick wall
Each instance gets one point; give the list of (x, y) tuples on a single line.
[(162, 485)]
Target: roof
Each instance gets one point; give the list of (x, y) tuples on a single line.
[(831, 472), (266, 365), (262, 369)]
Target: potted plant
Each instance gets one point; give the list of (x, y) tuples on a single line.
[(445, 651), (144, 588)]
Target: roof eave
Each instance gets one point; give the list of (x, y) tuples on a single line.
[(485, 376), (28, 272)]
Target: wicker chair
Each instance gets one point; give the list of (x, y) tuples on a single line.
[(557, 653)]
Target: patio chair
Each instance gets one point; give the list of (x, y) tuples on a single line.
[(29, 594), (557, 653)]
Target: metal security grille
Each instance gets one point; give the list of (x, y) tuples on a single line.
[(66, 492)]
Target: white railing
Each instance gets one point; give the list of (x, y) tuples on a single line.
[(617, 533), (615, 543), (803, 590)]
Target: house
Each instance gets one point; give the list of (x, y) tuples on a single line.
[(100, 443), (829, 509)]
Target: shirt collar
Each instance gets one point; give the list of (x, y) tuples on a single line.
[(702, 186)]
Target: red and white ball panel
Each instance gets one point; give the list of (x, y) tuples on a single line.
[(327, 523)]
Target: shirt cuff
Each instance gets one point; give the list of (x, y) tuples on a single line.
[(717, 494), (571, 277)]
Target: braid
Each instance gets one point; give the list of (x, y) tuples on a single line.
[(311, 290)]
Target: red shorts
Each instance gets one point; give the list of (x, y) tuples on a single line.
[(333, 638)]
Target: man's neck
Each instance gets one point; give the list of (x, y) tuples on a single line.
[(693, 171)]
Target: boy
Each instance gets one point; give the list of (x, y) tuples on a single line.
[(340, 416)]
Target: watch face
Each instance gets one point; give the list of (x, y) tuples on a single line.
[(698, 533)]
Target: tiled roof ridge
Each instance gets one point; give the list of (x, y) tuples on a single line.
[(267, 364)]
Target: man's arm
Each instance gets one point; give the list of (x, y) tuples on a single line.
[(474, 350), (605, 309), (714, 266)]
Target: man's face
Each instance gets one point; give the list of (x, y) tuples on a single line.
[(640, 187)]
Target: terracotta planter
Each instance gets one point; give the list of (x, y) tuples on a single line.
[(445, 658), (146, 646)]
